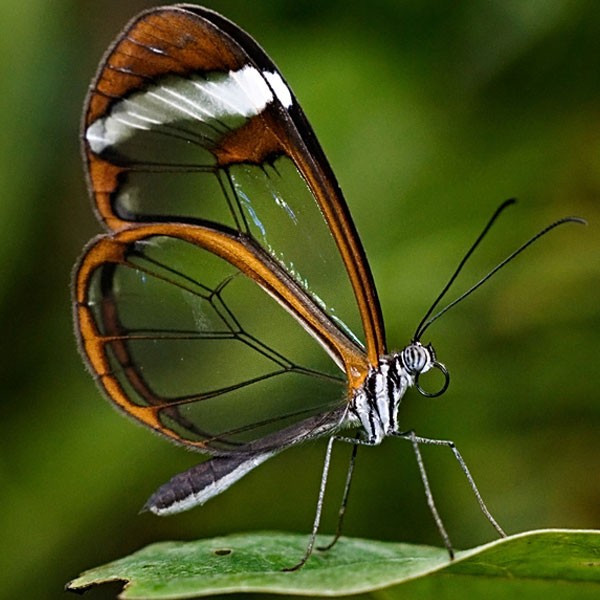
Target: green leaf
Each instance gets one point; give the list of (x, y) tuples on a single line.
[(253, 563)]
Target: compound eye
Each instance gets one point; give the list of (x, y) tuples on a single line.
[(416, 359)]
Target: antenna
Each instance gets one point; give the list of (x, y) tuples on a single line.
[(426, 321)]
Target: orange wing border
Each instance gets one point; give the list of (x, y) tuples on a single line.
[(239, 251)]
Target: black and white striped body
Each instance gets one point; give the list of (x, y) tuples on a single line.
[(375, 404)]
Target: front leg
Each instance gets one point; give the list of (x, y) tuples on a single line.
[(416, 441)]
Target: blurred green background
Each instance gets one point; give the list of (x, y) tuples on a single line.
[(431, 114)]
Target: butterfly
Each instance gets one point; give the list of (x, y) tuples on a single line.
[(229, 250)]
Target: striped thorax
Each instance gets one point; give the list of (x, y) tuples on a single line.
[(375, 404)]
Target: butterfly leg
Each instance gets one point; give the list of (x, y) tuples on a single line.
[(416, 441), (317, 520), (315, 528), (344, 503), (411, 437)]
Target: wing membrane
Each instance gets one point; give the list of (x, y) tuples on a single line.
[(172, 321)]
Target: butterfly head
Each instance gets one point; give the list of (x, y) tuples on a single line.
[(418, 359)]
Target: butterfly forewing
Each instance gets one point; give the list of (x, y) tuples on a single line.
[(189, 120)]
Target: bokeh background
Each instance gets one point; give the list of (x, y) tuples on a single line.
[(431, 114)]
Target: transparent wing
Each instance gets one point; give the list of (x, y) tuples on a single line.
[(189, 122), (196, 334)]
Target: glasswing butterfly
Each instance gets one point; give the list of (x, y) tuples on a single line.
[(229, 245)]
